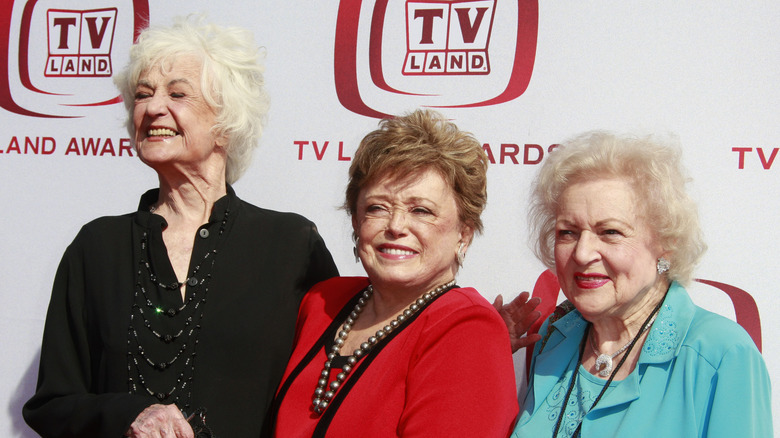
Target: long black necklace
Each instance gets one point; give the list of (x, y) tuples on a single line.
[(648, 322), (181, 341)]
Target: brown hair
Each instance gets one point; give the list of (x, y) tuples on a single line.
[(420, 141)]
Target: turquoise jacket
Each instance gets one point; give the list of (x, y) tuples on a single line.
[(699, 375)]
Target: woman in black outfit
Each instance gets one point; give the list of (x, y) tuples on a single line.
[(184, 309)]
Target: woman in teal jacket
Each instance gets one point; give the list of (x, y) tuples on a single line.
[(628, 353)]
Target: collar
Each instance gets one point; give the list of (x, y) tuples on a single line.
[(147, 219), (560, 355), (666, 335)]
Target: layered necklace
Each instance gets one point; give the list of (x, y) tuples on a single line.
[(175, 328), (627, 348), (326, 389)]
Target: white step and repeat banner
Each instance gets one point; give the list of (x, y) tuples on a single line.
[(525, 76)]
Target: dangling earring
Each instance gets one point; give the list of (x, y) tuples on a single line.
[(460, 254), (662, 266), (355, 250)]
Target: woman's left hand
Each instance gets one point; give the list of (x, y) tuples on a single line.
[(518, 316)]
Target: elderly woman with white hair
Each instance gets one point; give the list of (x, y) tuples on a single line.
[(185, 309), (628, 353)]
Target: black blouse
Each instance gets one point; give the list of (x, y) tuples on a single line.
[(264, 264)]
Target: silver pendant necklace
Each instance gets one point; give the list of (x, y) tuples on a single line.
[(645, 326)]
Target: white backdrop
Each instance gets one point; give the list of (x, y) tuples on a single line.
[(706, 72)]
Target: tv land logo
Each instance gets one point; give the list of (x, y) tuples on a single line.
[(448, 38), (57, 62), (80, 42), (391, 55)]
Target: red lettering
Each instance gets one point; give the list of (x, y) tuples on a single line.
[(86, 65), (73, 146), (124, 145), (108, 148), (764, 162), (489, 153), (477, 61), (539, 154), (414, 65), (456, 62), (511, 151), (89, 144), (95, 35), (341, 153), (50, 141), (32, 145), (14, 146), (742, 152), (427, 26), (320, 149), (532, 153), (69, 66), (28, 145), (63, 23), (435, 63), (467, 29), (317, 151), (300, 145)]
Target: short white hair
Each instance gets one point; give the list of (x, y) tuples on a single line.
[(654, 167), (231, 79)]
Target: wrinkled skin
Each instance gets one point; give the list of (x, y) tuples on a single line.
[(159, 421)]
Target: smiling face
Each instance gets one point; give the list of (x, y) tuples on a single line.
[(409, 232), (173, 122), (605, 253)]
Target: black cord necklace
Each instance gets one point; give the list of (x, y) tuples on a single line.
[(648, 322)]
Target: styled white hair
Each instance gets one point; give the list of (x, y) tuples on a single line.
[(231, 79), (653, 166)]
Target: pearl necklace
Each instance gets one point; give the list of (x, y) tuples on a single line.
[(325, 392), (604, 361)]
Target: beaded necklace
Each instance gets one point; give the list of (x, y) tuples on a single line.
[(180, 342), (324, 392)]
